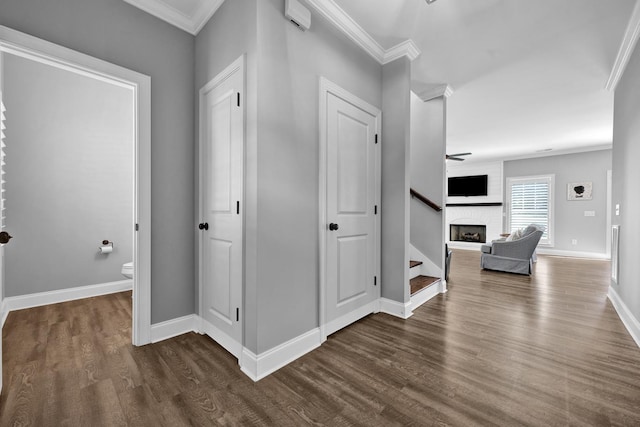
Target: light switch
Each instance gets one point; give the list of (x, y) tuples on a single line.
[(617, 209)]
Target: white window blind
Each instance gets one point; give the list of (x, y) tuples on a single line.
[(531, 202)]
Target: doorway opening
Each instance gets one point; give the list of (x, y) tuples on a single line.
[(30, 48)]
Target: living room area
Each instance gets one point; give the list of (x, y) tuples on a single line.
[(540, 190)]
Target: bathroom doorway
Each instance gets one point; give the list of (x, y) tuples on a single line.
[(35, 55)]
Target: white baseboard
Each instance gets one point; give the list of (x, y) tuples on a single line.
[(174, 327), (4, 312), (541, 250), (64, 295), (225, 340), (628, 319), (396, 308), (254, 366), (426, 294), (259, 366)]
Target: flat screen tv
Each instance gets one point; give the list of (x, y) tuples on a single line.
[(467, 186)]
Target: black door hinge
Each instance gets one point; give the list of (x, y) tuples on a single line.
[(137, 227), (375, 280), (375, 210), (238, 99), (237, 314), (376, 138), (238, 207)]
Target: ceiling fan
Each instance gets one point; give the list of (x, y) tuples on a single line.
[(457, 156)]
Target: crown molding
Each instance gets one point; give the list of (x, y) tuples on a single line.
[(478, 158), (629, 42), (343, 22), (427, 92), (407, 48), (192, 24)]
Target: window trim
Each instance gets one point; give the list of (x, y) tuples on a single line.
[(550, 179)]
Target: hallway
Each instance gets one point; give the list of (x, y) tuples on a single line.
[(497, 349)]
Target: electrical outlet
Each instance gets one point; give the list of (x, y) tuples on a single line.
[(574, 241), (589, 213)]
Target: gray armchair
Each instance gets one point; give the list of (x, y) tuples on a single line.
[(512, 256)]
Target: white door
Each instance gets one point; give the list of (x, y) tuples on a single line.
[(352, 202), (221, 197)]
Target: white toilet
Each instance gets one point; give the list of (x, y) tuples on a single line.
[(127, 270)]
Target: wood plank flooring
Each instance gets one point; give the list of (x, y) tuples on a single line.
[(420, 282), (497, 349)]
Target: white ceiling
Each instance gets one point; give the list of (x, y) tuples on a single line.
[(188, 15), (528, 76)]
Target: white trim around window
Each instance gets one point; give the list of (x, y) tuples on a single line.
[(537, 192)]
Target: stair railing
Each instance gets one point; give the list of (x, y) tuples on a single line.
[(425, 200)]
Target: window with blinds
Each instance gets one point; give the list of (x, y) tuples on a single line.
[(530, 201)]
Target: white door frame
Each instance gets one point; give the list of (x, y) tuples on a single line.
[(608, 213), (237, 65), (42, 51), (327, 87)]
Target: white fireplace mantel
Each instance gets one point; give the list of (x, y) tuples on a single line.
[(489, 216)]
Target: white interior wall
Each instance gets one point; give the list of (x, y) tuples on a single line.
[(466, 213)]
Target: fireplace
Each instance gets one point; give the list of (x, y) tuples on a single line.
[(468, 233)]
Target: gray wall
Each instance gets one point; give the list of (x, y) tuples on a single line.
[(396, 118), (230, 33), (626, 176), (290, 64), (119, 33), (69, 178), (427, 175), (570, 222), (284, 65)]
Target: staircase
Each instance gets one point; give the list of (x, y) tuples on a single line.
[(418, 282)]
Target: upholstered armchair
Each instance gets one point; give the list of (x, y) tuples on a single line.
[(512, 256)]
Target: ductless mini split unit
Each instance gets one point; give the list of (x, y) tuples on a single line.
[(297, 14)]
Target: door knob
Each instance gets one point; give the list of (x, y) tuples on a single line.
[(333, 226), (5, 237), (203, 226)]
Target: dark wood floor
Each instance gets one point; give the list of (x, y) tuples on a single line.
[(497, 349), (421, 282)]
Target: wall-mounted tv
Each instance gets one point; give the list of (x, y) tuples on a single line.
[(467, 186)]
